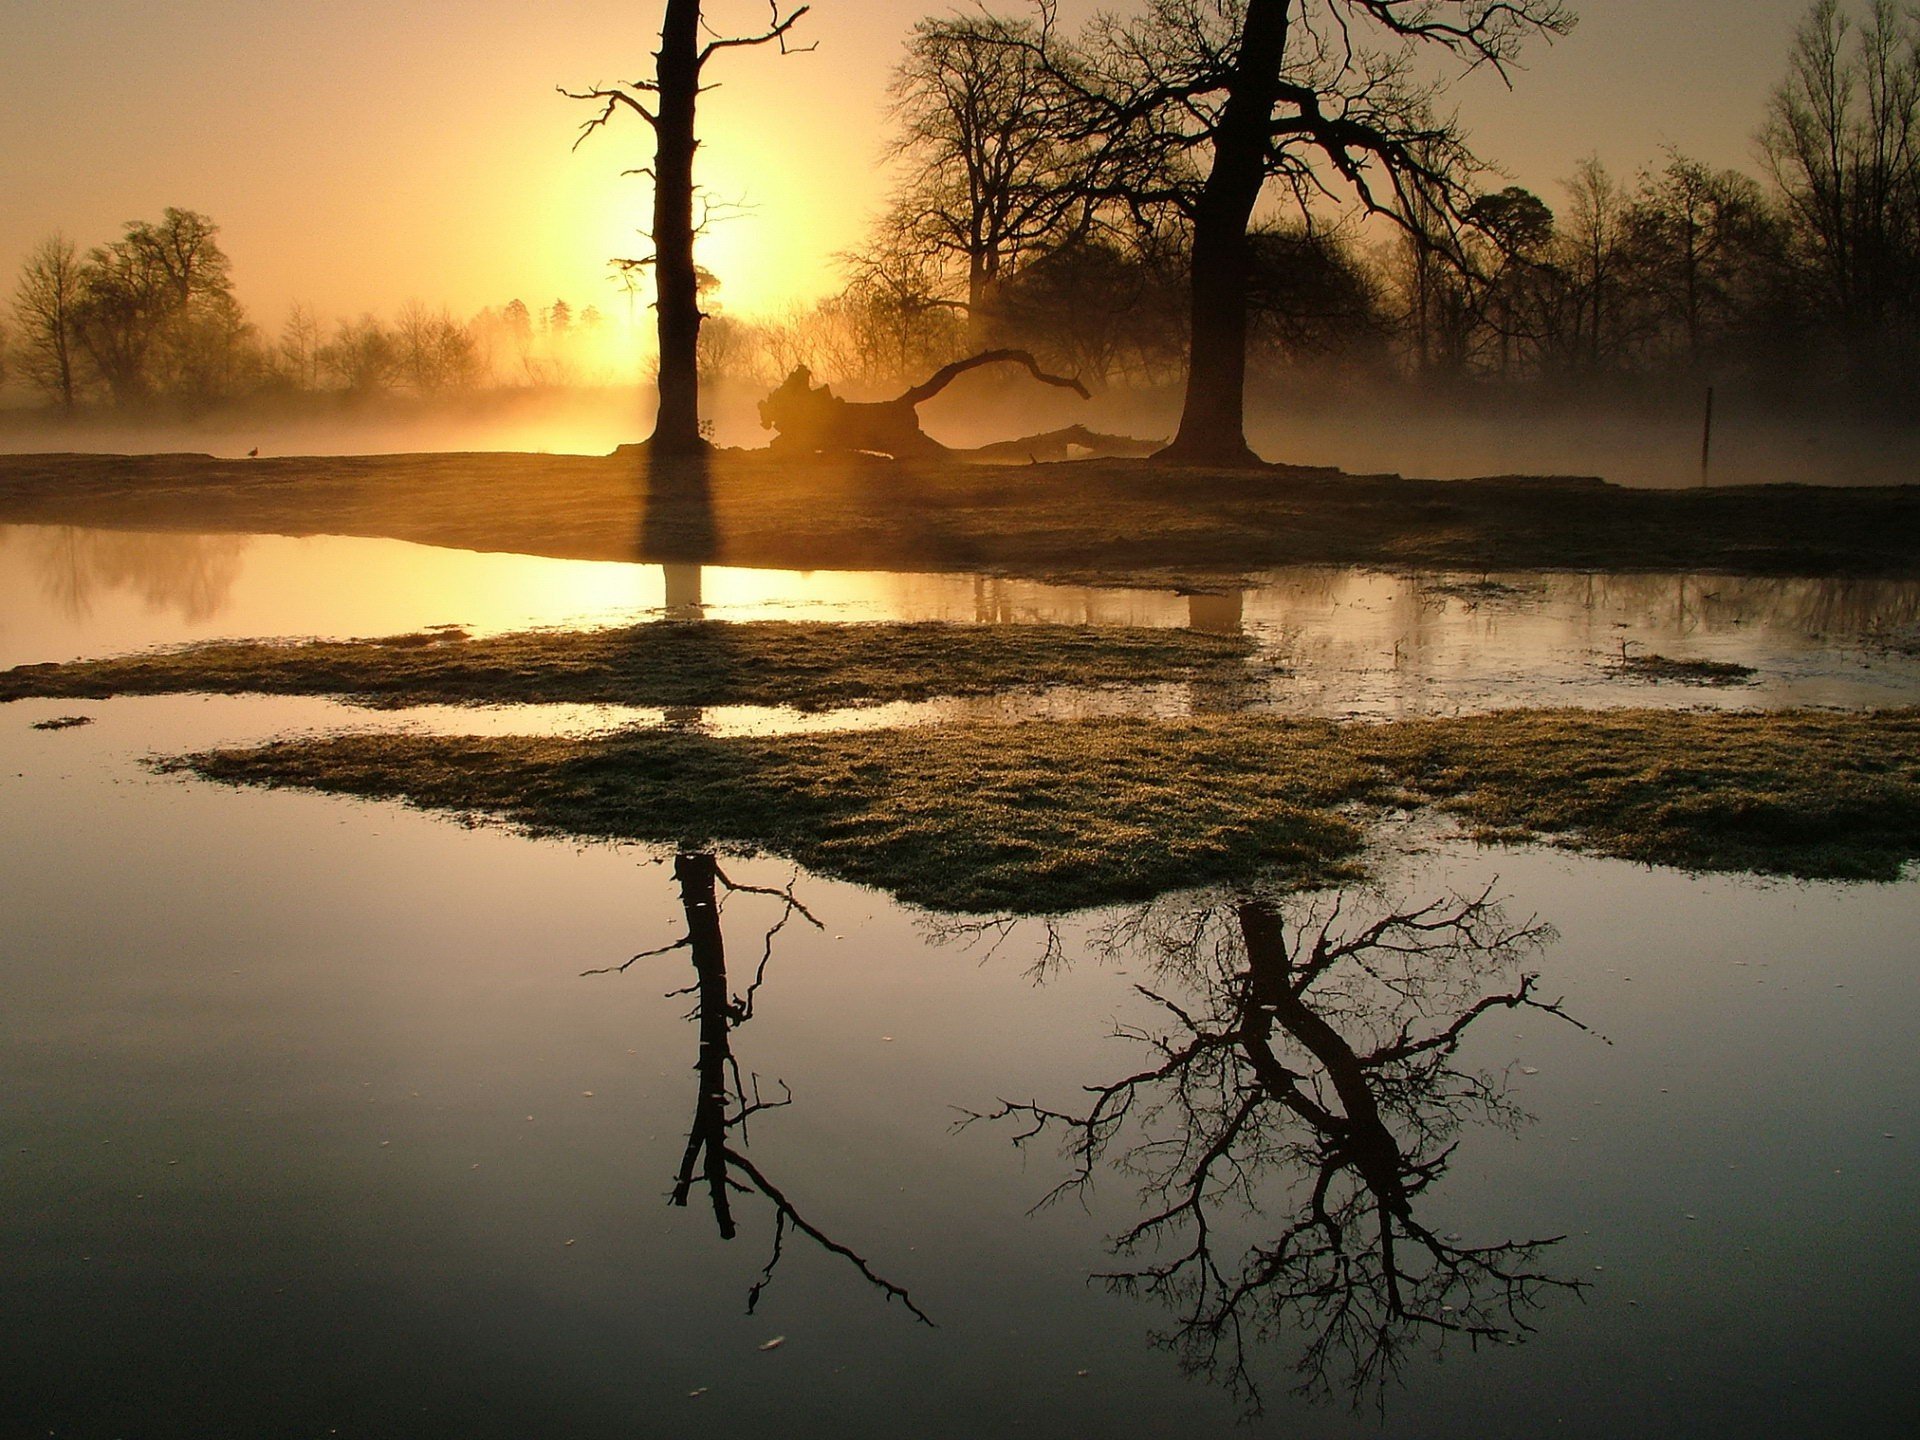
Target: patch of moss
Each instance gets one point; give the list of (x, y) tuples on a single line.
[(1041, 817), (807, 666)]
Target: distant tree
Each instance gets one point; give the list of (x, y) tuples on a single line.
[(667, 104), (157, 312), (432, 351), (559, 318), (1199, 105), (990, 182), (46, 307), (300, 347), (361, 356), (1097, 308), (517, 322), (1842, 143), (1515, 233), (1595, 261), (1700, 243), (890, 321), (1309, 296)]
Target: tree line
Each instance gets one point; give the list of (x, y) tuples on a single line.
[(151, 320)]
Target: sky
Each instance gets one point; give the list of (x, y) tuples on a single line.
[(359, 154)]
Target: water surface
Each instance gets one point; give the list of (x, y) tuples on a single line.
[(1331, 641), (315, 1123)]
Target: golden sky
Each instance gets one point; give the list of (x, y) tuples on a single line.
[(362, 153)]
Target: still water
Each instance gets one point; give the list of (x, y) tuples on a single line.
[(316, 1122), (1331, 641)]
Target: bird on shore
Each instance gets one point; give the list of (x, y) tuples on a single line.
[(254, 453)]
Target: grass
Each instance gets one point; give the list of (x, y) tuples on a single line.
[(1656, 669), (804, 665), (1107, 518), (1044, 817)]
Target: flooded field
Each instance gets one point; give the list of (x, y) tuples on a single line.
[(1337, 642), (319, 1121)]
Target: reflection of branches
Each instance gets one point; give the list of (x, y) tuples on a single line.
[(726, 1100), (1323, 1052), (995, 931)]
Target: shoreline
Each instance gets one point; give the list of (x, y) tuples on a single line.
[(1087, 521)]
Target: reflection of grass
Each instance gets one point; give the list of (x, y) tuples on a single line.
[(1039, 817), (758, 663)]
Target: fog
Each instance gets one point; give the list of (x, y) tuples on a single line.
[(1651, 446)]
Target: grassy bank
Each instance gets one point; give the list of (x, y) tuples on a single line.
[(1088, 519), (804, 665), (1044, 817)]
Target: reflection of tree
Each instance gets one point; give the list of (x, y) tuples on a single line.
[(189, 574), (715, 1157), (1322, 1057)]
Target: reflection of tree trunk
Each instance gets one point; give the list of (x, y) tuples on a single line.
[(706, 1141), (1213, 421), (724, 1104), (683, 600), (1360, 1137)]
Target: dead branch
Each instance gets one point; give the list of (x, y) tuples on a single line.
[(947, 374)]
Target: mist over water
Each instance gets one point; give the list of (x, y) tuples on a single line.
[(1648, 445)]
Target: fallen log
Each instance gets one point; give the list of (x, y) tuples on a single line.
[(811, 419)]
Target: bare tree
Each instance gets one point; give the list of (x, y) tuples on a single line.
[(667, 104), (1318, 1049), (432, 351), (991, 178), (1699, 241), (361, 356), (1199, 105), (45, 308), (1843, 144), (300, 346)]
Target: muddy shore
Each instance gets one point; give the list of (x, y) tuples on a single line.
[(1087, 520)]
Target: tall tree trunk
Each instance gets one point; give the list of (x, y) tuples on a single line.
[(1213, 422), (677, 427)]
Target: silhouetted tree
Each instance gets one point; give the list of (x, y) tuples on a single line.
[(1515, 229), (1843, 144), (45, 311), (669, 110), (1200, 104), (991, 180), (1700, 244), (1307, 1047), (1309, 296), (1098, 307), (157, 312)]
